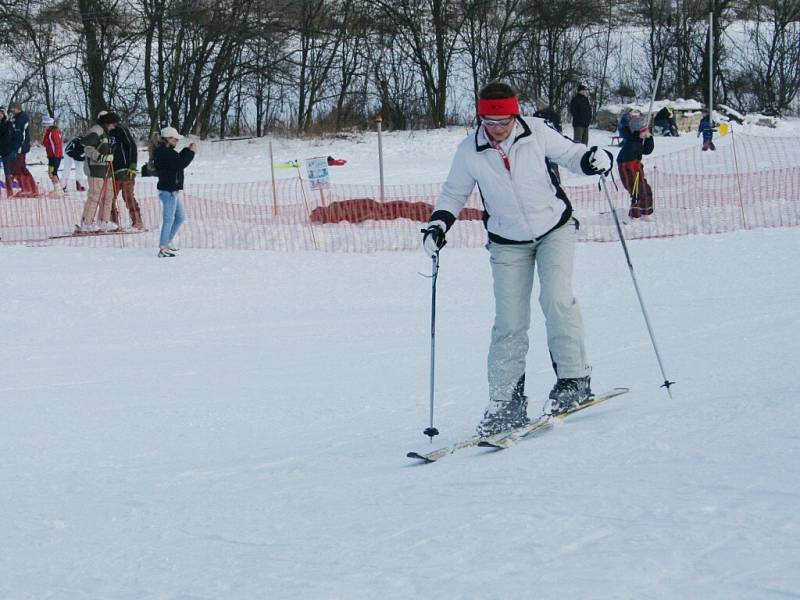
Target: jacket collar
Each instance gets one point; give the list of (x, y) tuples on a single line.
[(521, 130)]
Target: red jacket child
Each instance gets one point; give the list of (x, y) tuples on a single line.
[(53, 142), (54, 145)]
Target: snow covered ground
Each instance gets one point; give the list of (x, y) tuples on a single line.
[(234, 425)]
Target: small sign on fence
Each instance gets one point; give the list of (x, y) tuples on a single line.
[(318, 176)]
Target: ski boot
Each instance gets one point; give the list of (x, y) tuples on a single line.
[(504, 416), (570, 393)]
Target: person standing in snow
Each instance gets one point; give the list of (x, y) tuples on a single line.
[(581, 110), (125, 157), (99, 164), (169, 164), (545, 111), (665, 119), (707, 128), (74, 156), (624, 124), (54, 147), (21, 145), (530, 224), (629, 164), (6, 145)]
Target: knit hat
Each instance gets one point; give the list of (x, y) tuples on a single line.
[(171, 132), (582, 88), (48, 121), (107, 118)]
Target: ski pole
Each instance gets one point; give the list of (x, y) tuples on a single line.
[(431, 430), (667, 383), (653, 97)]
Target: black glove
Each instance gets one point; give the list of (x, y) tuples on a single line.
[(597, 161), (433, 237)]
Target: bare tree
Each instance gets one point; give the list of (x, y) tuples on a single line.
[(491, 35), (772, 67), (428, 33)]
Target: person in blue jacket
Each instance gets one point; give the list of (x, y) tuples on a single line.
[(6, 143), (707, 129), (631, 171)]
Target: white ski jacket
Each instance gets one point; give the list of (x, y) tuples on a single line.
[(523, 203)]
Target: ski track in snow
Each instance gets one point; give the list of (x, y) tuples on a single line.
[(234, 425)]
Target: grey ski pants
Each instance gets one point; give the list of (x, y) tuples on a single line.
[(512, 271)]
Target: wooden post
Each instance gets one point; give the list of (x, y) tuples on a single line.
[(274, 188)]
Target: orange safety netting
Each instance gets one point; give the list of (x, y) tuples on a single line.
[(750, 183)]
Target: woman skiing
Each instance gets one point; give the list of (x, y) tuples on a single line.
[(530, 224)]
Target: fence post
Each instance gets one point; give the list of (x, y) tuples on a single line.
[(274, 188), (379, 123)]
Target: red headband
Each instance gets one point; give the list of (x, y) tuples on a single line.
[(498, 106)]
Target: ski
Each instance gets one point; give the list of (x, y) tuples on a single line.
[(597, 400), (505, 440), (447, 450), (81, 234)]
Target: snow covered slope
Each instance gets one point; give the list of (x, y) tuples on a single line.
[(234, 425)]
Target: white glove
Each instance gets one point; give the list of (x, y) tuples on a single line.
[(433, 237), (108, 158), (598, 161)]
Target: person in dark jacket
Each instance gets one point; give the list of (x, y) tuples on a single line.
[(624, 125), (19, 150), (707, 128), (6, 143), (631, 171), (125, 156), (581, 110), (170, 165), (545, 111), (98, 165), (665, 119)]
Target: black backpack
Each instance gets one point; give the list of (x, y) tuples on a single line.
[(75, 150)]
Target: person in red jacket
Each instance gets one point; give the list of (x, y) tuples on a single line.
[(54, 146)]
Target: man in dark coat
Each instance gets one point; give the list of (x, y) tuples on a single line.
[(6, 143), (665, 119), (545, 111), (21, 145), (581, 110), (125, 158)]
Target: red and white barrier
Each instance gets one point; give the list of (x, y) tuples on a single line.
[(754, 183)]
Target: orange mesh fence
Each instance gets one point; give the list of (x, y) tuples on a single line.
[(754, 183)]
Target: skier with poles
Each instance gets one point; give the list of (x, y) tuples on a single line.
[(99, 163), (530, 225), (631, 171), (125, 158)]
